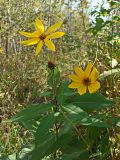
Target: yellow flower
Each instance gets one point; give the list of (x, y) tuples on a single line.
[(85, 80), (40, 36)]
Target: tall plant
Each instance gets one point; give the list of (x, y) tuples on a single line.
[(69, 124)]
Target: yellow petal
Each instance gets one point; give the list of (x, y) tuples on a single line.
[(27, 34), (88, 70), (31, 35), (54, 27), (49, 44), (39, 47), (38, 33), (55, 35), (94, 75), (78, 71), (39, 25), (93, 87), (74, 78), (82, 89), (30, 41), (74, 85)]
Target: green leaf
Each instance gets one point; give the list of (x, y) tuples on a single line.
[(93, 12), (46, 94), (45, 140), (45, 124), (12, 157), (92, 133), (50, 146), (78, 116), (66, 128), (83, 155), (90, 101), (60, 142), (115, 121), (53, 77), (104, 12), (31, 112), (25, 153), (63, 92), (31, 125), (75, 145), (40, 151), (114, 3), (105, 144)]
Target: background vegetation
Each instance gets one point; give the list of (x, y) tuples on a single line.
[(92, 35)]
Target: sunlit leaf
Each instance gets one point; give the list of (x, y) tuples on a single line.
[(78, 116)]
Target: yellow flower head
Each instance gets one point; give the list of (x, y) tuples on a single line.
[(40, 36), (85, 80)]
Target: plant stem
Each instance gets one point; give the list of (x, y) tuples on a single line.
[(54, 110)]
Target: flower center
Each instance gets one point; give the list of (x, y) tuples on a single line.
[(86, 81), (42, 36)]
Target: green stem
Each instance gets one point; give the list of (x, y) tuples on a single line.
[(54, 110)]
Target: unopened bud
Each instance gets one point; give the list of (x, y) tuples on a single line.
[(51, 65)]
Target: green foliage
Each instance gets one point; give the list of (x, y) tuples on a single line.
[(56, 121), (78, 116), (91, 101), (27, 114), (63, 92), (54, 82), (61, 123)]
